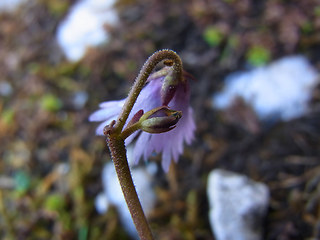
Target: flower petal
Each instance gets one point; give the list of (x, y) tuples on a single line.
[(116, 103), (189, 134), (166, 159), (129, 139), (171, 143), (103, 114), (140, 145)]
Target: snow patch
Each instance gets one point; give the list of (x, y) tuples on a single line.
[(83, 27), (280, 90), (10, 5), (112, 194), (238, 206)]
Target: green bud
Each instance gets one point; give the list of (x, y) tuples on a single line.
[(169, 87), (159, 120)]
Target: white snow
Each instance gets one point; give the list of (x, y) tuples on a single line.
[(5, 89), (10, 5), (102, 203), (237, 206), (280, 90), (83, 27), (112, 194)]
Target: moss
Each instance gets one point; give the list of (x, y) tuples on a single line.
[(7, 116), (213, 36), (22, 181), (54, 202), (51, 103), (258, 55)]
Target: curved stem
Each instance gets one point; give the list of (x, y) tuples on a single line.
[(118, 154), (115, 138), (140, 81)]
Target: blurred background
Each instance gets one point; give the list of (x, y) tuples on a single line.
[(60, 58)]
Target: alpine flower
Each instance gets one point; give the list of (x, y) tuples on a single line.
[(152, 97)]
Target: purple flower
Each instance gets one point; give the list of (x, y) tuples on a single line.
[(170, 143)]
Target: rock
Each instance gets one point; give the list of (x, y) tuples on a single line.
[(237, 206)]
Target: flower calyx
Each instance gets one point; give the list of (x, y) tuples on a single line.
[(170, 81), (108, 129), (158, 120), (169, 86)]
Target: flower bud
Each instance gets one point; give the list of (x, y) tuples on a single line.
[(136, 117), (169, 87), (159, 74), (159, 120)]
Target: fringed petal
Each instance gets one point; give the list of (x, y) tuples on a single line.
[(166, 159), (115, 103), (140, 145), (169, 144), (103, 114)]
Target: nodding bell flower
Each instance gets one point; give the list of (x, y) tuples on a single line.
[(163, 114)]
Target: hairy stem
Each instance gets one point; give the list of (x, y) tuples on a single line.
[(115, 137), (140, 81), (118, 154)]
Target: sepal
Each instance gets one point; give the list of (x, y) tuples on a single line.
[(159, 120)]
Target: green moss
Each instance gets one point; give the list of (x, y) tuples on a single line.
[(307, 27), (54, 202), (233, 41), (317, 11), (83, 233), (57, 7), (22, 181), (51, 103), (258, 55), (213, 36), (7, 116)]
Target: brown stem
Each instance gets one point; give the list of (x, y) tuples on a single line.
[(115, 138), (140, 81), (118, 154)]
